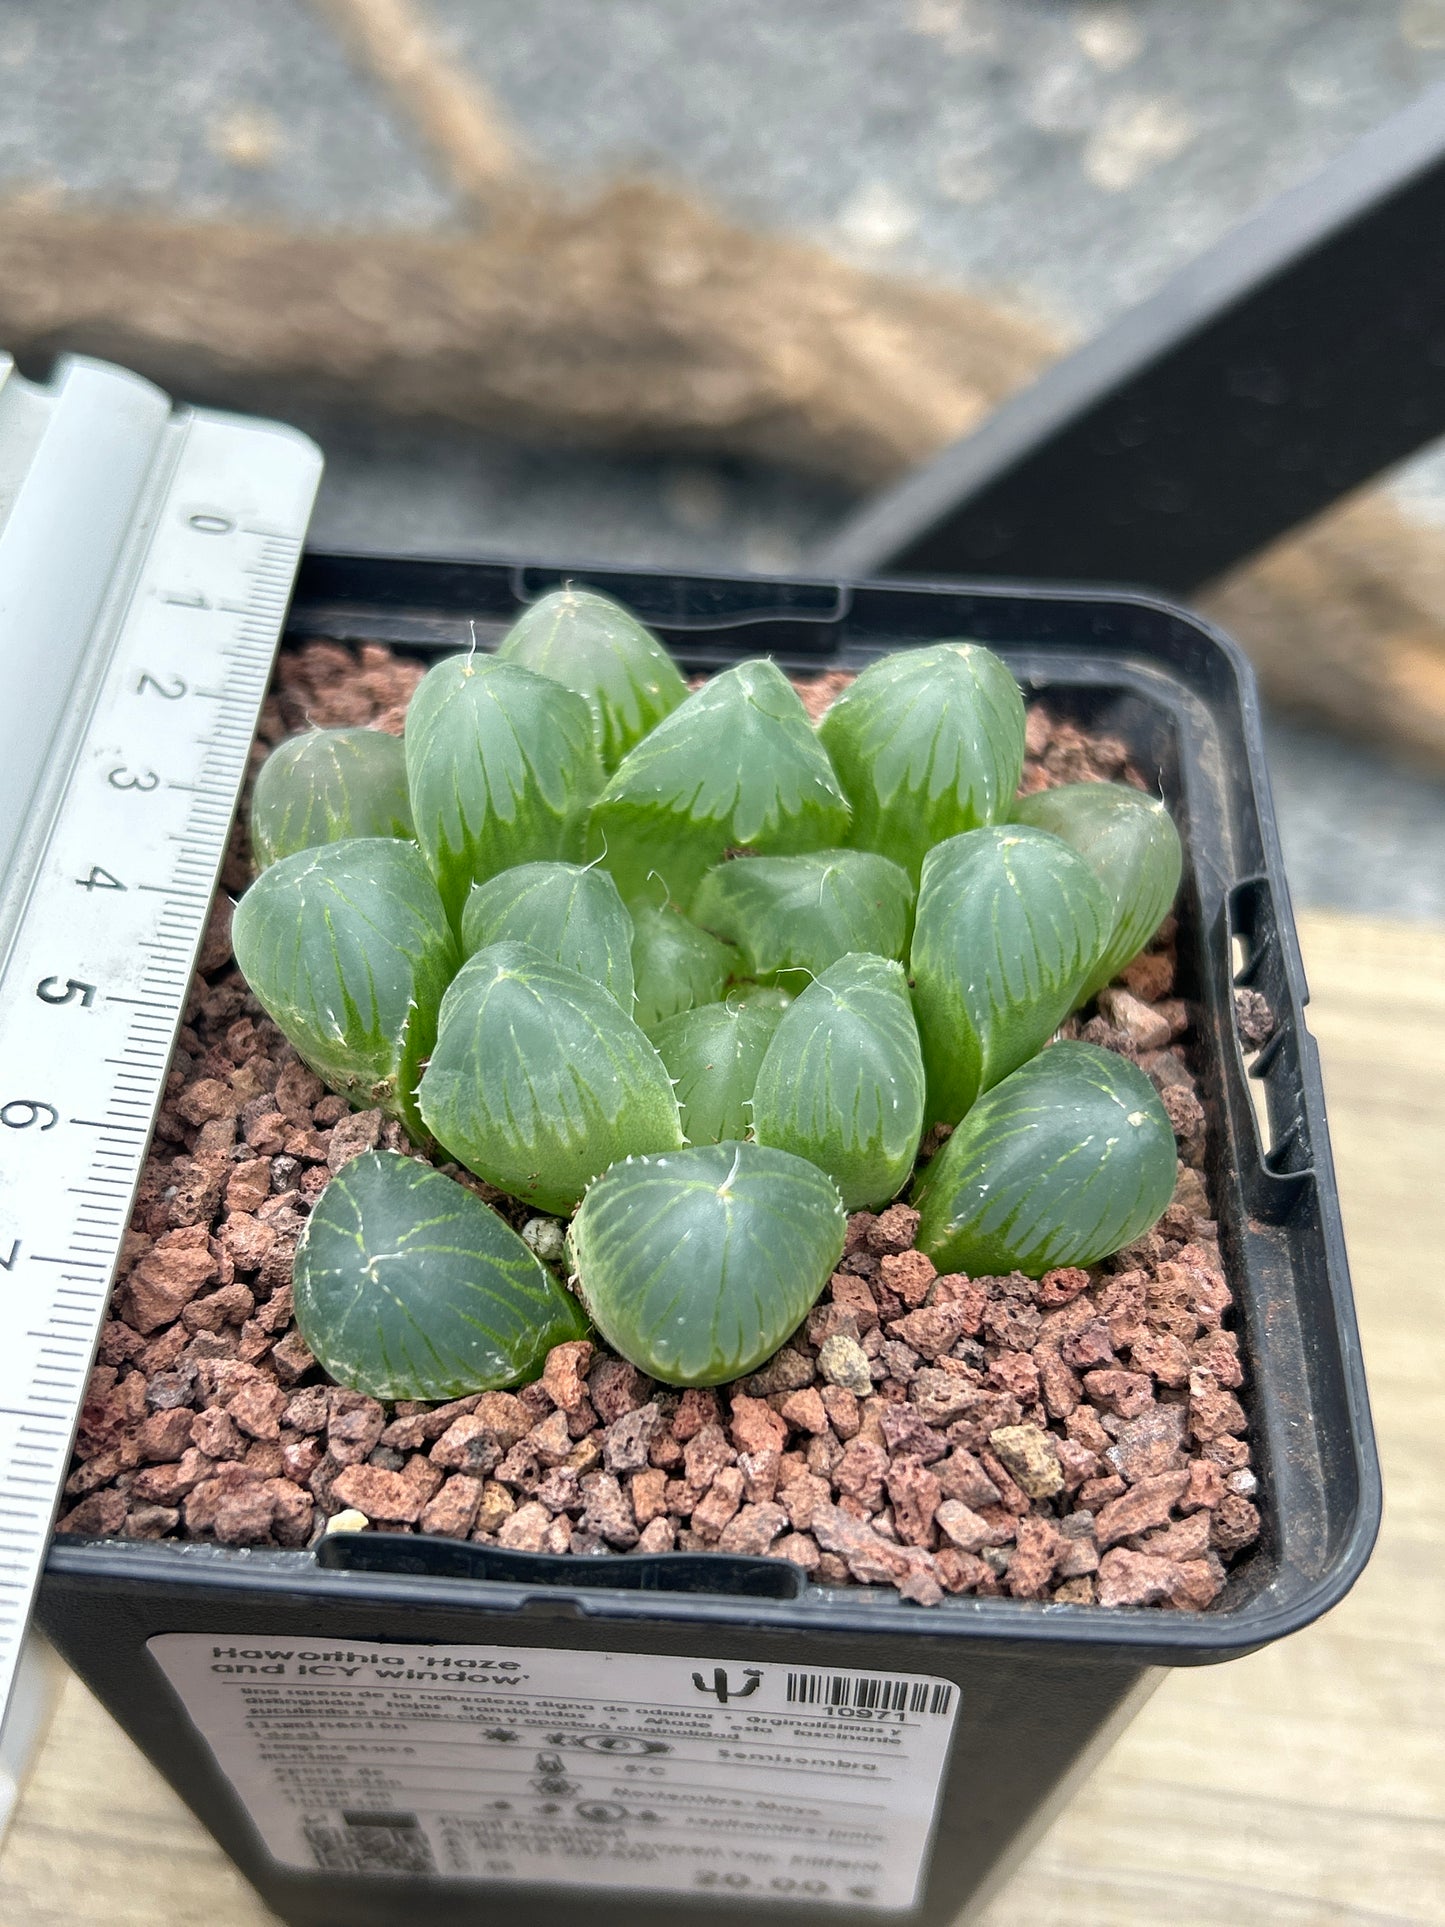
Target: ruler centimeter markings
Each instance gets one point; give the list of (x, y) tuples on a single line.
[(113, 890)]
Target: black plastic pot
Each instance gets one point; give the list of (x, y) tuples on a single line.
[(1038, 1691)]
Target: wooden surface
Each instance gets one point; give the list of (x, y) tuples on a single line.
[(1302, 1787)]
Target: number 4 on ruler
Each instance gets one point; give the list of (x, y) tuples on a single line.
[(7, 1261)]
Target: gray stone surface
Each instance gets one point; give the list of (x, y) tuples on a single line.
[(209, 108), (1064, 154), (1068, 152)]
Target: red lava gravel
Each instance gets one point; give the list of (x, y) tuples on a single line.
[(1076, 1439)]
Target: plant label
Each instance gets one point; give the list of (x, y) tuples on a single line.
[(520, 1765)]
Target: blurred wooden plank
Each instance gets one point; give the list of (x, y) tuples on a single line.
[(1302, 1787), (1306, 1784), (100, 1839)]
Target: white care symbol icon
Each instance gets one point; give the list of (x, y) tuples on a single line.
[(720, 1686)]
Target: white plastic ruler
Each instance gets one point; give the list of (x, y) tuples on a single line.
[(146, 562)]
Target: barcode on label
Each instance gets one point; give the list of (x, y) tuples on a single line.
[(874, 1695), (371, 1843)]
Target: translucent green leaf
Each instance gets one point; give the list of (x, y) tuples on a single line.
[(713, 1055), (407, 1286), (842, 1083), (1060, 1164), (326, 786), (572, 915), (596, 647), (1130, 842), (1010, 923), (539, 1080), (736, 767), (502, 767), (674, 964), (798, 914), (760, 996), (698, 1264), (348, 948), (927, 743)]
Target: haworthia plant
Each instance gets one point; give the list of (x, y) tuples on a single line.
[(328, 785), (539, 1080), (674, 964), (1130, 842), (570, 914), (1011, 921), (698, 1264), (842, 1081), (596, 648), (927, 743), (1062, 1163), (798, 914), (713, 1055), (348, 948), (736, 1050), (407, 1286), (736, 767), (502, 766)]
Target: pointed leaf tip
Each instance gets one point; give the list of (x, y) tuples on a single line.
[(927, 743), (539, 1080), (842, 1082), (326, 786), (408, 1286), (1065, 1161), (594, 646), (738, 766), (347, 947), (799, 914), (1010, 922), (1130, 842), (502, 767), (697, 1265)]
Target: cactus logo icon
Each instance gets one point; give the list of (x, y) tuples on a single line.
[(720, 1686)]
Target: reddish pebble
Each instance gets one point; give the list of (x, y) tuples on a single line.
[(452, 1513), (805, 1411), (1144, 1505), (908, 1273), (1205, 1488), (893, 1230), (915, 1494), (1126, 1393), (754, 1425), (378, 1493), (1235, 1523), (1061, 1286), (565, 1373), (753, 1529)]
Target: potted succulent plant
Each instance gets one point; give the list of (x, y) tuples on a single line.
[(809, 1022), (721, 1158)]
